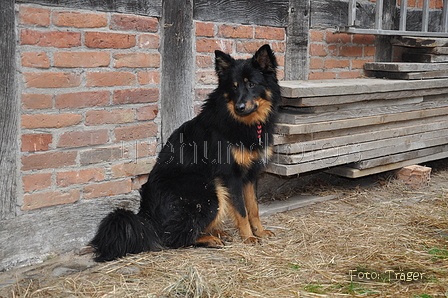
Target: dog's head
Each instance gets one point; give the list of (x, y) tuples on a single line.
[(248, 85)]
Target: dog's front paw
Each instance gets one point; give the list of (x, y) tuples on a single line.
[(264, 233), (210, 241), (252, 240)]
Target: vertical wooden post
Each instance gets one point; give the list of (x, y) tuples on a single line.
[(177, 77), (296, 56), (9, 112), (383, 47)]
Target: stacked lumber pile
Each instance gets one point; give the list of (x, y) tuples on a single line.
[(423, 58), (364, 125)]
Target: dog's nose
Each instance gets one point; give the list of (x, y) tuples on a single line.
[(240, 107)]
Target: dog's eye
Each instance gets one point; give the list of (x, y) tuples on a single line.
[(250, 85)]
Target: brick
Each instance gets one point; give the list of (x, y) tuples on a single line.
[(51, 198), (332, 50), (36, 182), (136, 132), (57, 39), (369, 51), (364, 39), (64, 179), (36, 142), (206, 77), (102, 155), (317, 36), (138, 181), (319, 75), (350, 51), (145, 149), (35, 59), (137, 60), (132, 22), (278, 47), (48, 160), (82, 99), (107, 189), (106, 40), (51, 79), (83, 138), (415, 176), (50, 121), (34, 16), (332, 37), (201, 94), (139, 167), (118, 116), (333, 63), (269, 33), (81, 59), (205, 29), (204, 61), (349, 74), (136, 95), (359, 63), (280, 74), (210, 45), (37, 101), (248, 46), (147, 112), (318, 50), (110, 79), (149, 41), (151, 77), (316, 63), (240, 31), (78, 19)]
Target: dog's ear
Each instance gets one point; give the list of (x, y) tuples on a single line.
[(264, 58), (223, 62)]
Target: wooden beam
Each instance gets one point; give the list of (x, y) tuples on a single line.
[(296, 58), (383, 47), (9, 112), (178, 78)]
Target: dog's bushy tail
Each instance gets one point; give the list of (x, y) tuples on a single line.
[(122, 232)]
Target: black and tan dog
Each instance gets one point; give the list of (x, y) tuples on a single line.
[(207, 169)]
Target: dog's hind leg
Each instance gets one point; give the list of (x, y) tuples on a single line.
[(250, 200)]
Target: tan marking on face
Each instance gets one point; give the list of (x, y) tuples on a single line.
[(246, 80), (260, 115)]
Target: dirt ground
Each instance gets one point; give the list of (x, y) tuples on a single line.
[(379, 238)]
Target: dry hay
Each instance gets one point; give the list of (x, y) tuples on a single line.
[(387, 227)]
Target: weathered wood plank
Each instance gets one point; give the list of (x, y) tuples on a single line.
[(261, 12), (424, 58), (301, 89), (335, 142), (296, 56), (347, 123), (348, 172), (419, 42), (410, 75), (326, 163), (139, 7), (178, 77), (49, 230), (393, 158), (9, 112), (296, 138), (344, 99), (434, 102), (404, 66), (367, 150)]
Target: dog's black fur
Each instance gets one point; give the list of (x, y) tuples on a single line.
[(207, 169)]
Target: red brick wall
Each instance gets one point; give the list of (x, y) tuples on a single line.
[(339, 55), (90, 101), (241, 41)]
